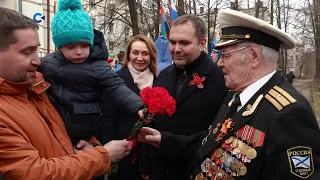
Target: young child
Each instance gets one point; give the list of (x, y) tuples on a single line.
[(80, 76)]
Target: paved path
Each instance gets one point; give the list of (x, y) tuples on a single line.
[(304, 86)]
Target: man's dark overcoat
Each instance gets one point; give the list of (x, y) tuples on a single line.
[(196, 107)]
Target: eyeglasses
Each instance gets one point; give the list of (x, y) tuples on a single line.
[(228, 52)]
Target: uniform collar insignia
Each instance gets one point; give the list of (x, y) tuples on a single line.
[(251, 108)]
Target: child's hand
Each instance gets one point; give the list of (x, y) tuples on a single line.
[(140, 113), (82, 146)]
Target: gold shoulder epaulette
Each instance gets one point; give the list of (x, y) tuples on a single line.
[(279, 98)]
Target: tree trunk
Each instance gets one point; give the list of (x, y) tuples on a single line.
[(180, 7), (133, 16), (157, 19), (281, 57), (285, 20), (300, 70), (257, 6), (215, 22), (316, 11), (209, 25), (190, 7), (194, 7), (236, 5), (271, 10)]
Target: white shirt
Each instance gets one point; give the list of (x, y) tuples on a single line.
[(247, 93)]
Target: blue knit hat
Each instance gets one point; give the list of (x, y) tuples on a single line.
[(71, 24)]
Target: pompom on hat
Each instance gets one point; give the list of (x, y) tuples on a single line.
[(109, 60), (238, 27), (71, 24)]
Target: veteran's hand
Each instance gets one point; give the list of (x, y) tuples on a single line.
[(82, 146), (150, 136), (117, 149)]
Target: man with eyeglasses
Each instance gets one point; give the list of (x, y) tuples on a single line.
[(265, 129)]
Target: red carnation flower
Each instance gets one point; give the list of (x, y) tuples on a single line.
[(157, 101)]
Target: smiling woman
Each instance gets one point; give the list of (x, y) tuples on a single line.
[(138, 71), (141, 54)]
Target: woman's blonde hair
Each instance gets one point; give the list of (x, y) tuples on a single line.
[(151, 48)]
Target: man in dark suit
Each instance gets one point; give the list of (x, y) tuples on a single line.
[(265, 129), (198, 87)]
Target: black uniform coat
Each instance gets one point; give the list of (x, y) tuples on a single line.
[(290, 148), (194, 112), (117, 124)]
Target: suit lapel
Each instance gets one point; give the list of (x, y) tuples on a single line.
[(239, 118), (185, 89), (203, 70)]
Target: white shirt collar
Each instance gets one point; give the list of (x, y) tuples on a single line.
[(247, 93)]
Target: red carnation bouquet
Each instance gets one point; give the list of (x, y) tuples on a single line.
[(157, 101)]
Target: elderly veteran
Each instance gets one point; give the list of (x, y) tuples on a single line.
[(265, 129)]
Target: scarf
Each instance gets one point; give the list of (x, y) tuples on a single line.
[(142, 79)]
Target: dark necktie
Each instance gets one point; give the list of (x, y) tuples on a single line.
[(234, 106)]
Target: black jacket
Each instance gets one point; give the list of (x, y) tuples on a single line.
[(281, 126), (194, 112), (77, 90)]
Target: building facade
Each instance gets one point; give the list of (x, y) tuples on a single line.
[(37, 10)]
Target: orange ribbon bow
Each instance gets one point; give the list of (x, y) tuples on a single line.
[(197, 81)]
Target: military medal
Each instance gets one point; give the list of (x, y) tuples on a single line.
[(213, 170), (229, 140), (234, 166), (220, 174), (251, 153), (208, 165), (226, 127), (237, 150), (234, 143), (218, 153), (228, 161), (199, 177), (223, 157), (242, 169)]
